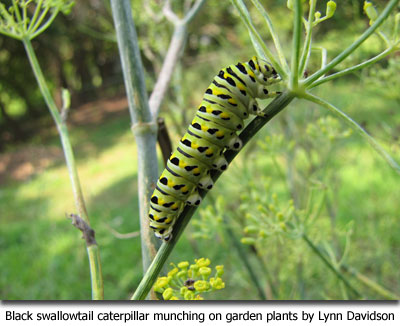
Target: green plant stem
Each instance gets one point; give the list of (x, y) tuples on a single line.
[(274, 35), (245, 16), (143, 125), (382, 17), (45, 25), (95, 272), (40, 20), (355, 126), (94, 260), (297, 24), (354, 68), (276, 106), (307, 43), (244, 259), (318, 252), (35, 16), (371, 284)]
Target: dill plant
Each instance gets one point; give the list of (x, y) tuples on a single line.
[(298, 82)]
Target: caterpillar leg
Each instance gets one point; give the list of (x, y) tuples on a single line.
[(235, 143), (164, 234), (255, 109), (220, 163), (206, 182), (194, 199)]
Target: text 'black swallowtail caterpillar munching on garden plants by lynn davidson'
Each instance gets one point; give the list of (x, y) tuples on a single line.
[(230, 99)]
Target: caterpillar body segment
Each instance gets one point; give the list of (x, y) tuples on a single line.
[(227, 102)]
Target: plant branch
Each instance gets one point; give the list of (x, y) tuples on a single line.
[(382, 17), (307, 43), (277, 105), (94, 257), (371, 284), (174, 51), (193, 11), (297, 24), (35, 16), (330, 266), (45, 25), (143, 125), (355, 126), (355, 68)]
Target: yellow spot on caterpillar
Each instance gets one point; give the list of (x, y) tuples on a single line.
[(232, 101), (168, 220), (185, 188), (208, 109), (219, 133), (174, 206), (241, 86), (194, 145), (161, 201), (196, 171), (181, 164), (251, 73), (170, 183), (209, 151), (224, 115), (204, 128)]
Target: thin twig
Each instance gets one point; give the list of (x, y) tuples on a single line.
[(355, 126), (92, 247)]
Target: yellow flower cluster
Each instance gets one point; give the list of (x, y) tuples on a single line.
[(187, 282)]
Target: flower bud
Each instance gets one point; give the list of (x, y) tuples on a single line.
[(248, 241), (201, 286), (205, 272), (172, 272), (370, 11), (189, 295), (330, 9), (183, 265), (168, 293), (220, 270), (251, 229)]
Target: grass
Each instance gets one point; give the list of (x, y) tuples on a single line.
[(43, 257)]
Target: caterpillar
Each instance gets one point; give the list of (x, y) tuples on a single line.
[(227, 102)]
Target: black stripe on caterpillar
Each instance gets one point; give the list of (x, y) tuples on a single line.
[(230, 99)]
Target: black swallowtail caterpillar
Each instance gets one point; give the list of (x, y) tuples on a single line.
[(230, 99)]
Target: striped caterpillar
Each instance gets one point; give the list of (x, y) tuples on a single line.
[(230, 99)]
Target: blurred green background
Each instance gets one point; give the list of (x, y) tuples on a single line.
[(306, 169)]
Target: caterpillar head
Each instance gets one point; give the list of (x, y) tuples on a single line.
[(267, 70)]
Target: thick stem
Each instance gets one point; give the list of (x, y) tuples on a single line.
[(143, 125), (94, 260), (254, 126), (297, 23)]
